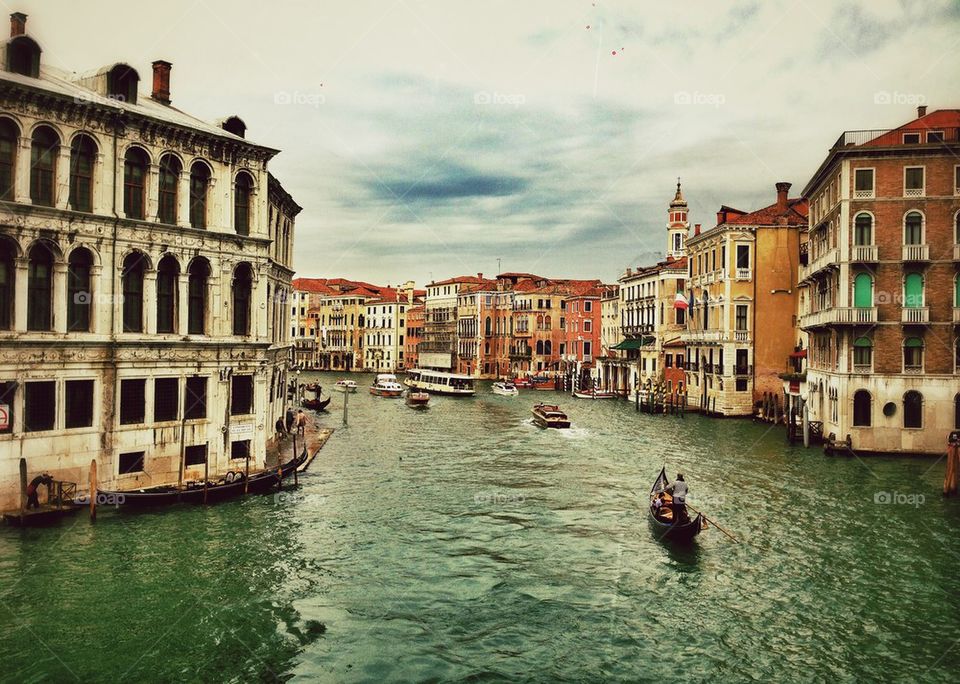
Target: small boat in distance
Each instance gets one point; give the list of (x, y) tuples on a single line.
[(345, 386), (550, 416), (386, 385), (595, 394), (522, 383), (417, 399), (316, 404), (440, 382), (661, 518), (506, 389)]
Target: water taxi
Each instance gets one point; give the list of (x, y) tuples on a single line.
[(506, 389), (550, 416), (417, 399), (386, 385), (345, 386), (440, 382)]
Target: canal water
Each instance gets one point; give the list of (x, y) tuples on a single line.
[(463, 543)]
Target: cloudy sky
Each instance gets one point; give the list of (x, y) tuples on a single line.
[(426, 139)]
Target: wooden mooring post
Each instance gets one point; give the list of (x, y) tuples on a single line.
[(23, 490), (93, 489), (953, 464)]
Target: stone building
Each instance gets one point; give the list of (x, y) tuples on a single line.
[(883, 287), (144, 270), (741, 325)]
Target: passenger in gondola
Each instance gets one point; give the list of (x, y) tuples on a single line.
[(658, 505), (678, 490)]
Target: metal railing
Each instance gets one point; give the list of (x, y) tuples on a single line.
[(859, 137)]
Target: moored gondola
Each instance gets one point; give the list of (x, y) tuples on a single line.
[(316, 404), (662, 519), (231, 485)]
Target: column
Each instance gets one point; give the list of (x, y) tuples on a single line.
[(183, 199), (20, 297), (60, 297), (99, 186), (22, 182), (61, 181), (152, 198), (97, 301), (183, 303), (150, 302)]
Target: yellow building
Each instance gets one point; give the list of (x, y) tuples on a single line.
[(742, 323)]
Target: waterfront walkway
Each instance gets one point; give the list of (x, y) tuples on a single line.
[(314, 437)]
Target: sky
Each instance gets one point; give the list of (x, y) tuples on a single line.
[(426, 139)]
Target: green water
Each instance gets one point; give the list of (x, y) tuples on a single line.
[(463, 543)]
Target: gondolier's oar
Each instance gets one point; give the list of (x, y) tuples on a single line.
[(712, 522)]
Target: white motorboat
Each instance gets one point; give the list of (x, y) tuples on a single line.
[(506, 389), (345, 386), (386, 385)]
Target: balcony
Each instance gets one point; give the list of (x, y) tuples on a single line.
[(743, 274), (863, 194), (916, 252), (862, 369), (956, 252), (741, 335), (821, 261), (718, 369), (844, 315), (864, 253), (703, 336), (915, 315), (520, 354)]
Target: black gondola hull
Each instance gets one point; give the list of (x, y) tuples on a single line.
[(667, 530)]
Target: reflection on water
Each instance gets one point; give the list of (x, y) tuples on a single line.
[(463, 542)]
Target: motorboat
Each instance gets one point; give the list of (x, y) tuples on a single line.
[(345, 386), (386, 385), (505, 389), (417, 399), (550, 416)]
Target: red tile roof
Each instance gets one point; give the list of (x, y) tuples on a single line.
[(795, 214), (934, 121)]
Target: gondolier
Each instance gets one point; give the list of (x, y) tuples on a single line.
[(678, 490)]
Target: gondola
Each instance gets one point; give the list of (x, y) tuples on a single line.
[(316, 404), (228, 487), (662, 523)]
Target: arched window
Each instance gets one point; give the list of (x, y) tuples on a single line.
[(78, 290), (242, 287), (168, 273), (861, 409), (956, 223), (487, 328), (40, 288), (170, 168), (23, 56), (863, 290), (122, 81), (9, 136), (547, 347), (863, 230), (242, 191), (132, 284), (199, 182), (956, 291), (913, 409), (862, 354), (913, 291), (197, 295), (913, 228), (44, 149), (7, 282), (539, 347), (135, 183), (83, 150), (913, 355)]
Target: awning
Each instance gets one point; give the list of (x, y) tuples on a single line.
[(634, 344)]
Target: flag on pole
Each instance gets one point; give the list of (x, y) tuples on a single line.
[(680, 302)]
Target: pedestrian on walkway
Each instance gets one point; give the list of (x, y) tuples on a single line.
[(281, 430), (301, 422), (290, 418)]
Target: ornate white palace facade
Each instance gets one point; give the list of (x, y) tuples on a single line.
[(144, 274)]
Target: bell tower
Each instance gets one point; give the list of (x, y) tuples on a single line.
[(677, 225)]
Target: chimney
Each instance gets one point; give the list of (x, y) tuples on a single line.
[(18, 24), (782, 190), (161, 81), (921, 111), (480, 276), (696, 229), (721, 217)]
